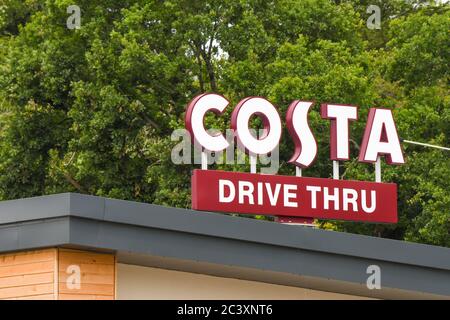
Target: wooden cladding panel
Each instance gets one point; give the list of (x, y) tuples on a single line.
[(26, 280), (28, 275), (65, 296), (54, 274), (35, 297), (97, 275), (23, 257)]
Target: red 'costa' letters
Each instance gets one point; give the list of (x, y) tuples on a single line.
[(380, 137)]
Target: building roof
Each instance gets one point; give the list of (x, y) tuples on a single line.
[(224, 245)]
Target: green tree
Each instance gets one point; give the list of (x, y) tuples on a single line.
[(414, 78), (91, 110)]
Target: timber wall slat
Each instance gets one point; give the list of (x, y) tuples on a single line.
[(36, 297), (65, 296), (26, 279), (18, 258), (25, 291), (27, 268), (44, 274), (97, 275), (28, 274)]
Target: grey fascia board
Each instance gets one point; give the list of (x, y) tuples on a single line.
[(35, 234), (297, 262), (35, 208), (204, 249), (223, 226)]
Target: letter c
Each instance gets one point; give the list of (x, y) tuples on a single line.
[(194, 118)]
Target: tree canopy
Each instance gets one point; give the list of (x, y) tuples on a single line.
[(91, 110)]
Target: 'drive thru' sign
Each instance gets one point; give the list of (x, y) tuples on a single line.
[(295, 197), (214, 190)]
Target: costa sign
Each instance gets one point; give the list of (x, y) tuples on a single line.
[(287, 196)]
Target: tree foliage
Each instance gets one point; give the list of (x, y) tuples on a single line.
[(91, 110)]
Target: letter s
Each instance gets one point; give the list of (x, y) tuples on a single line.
[(305, 144)]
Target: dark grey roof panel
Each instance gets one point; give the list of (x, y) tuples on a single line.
[(143, 230), (220, 225), (13, 211), (34, 234)]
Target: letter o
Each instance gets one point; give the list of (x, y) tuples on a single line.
[(240, 118)]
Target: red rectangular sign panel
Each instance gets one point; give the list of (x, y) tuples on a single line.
[(290, 196)]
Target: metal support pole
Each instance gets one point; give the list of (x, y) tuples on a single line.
[(298, 171), (335, 170), (378, 170), (204, 160), (253, 160)]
